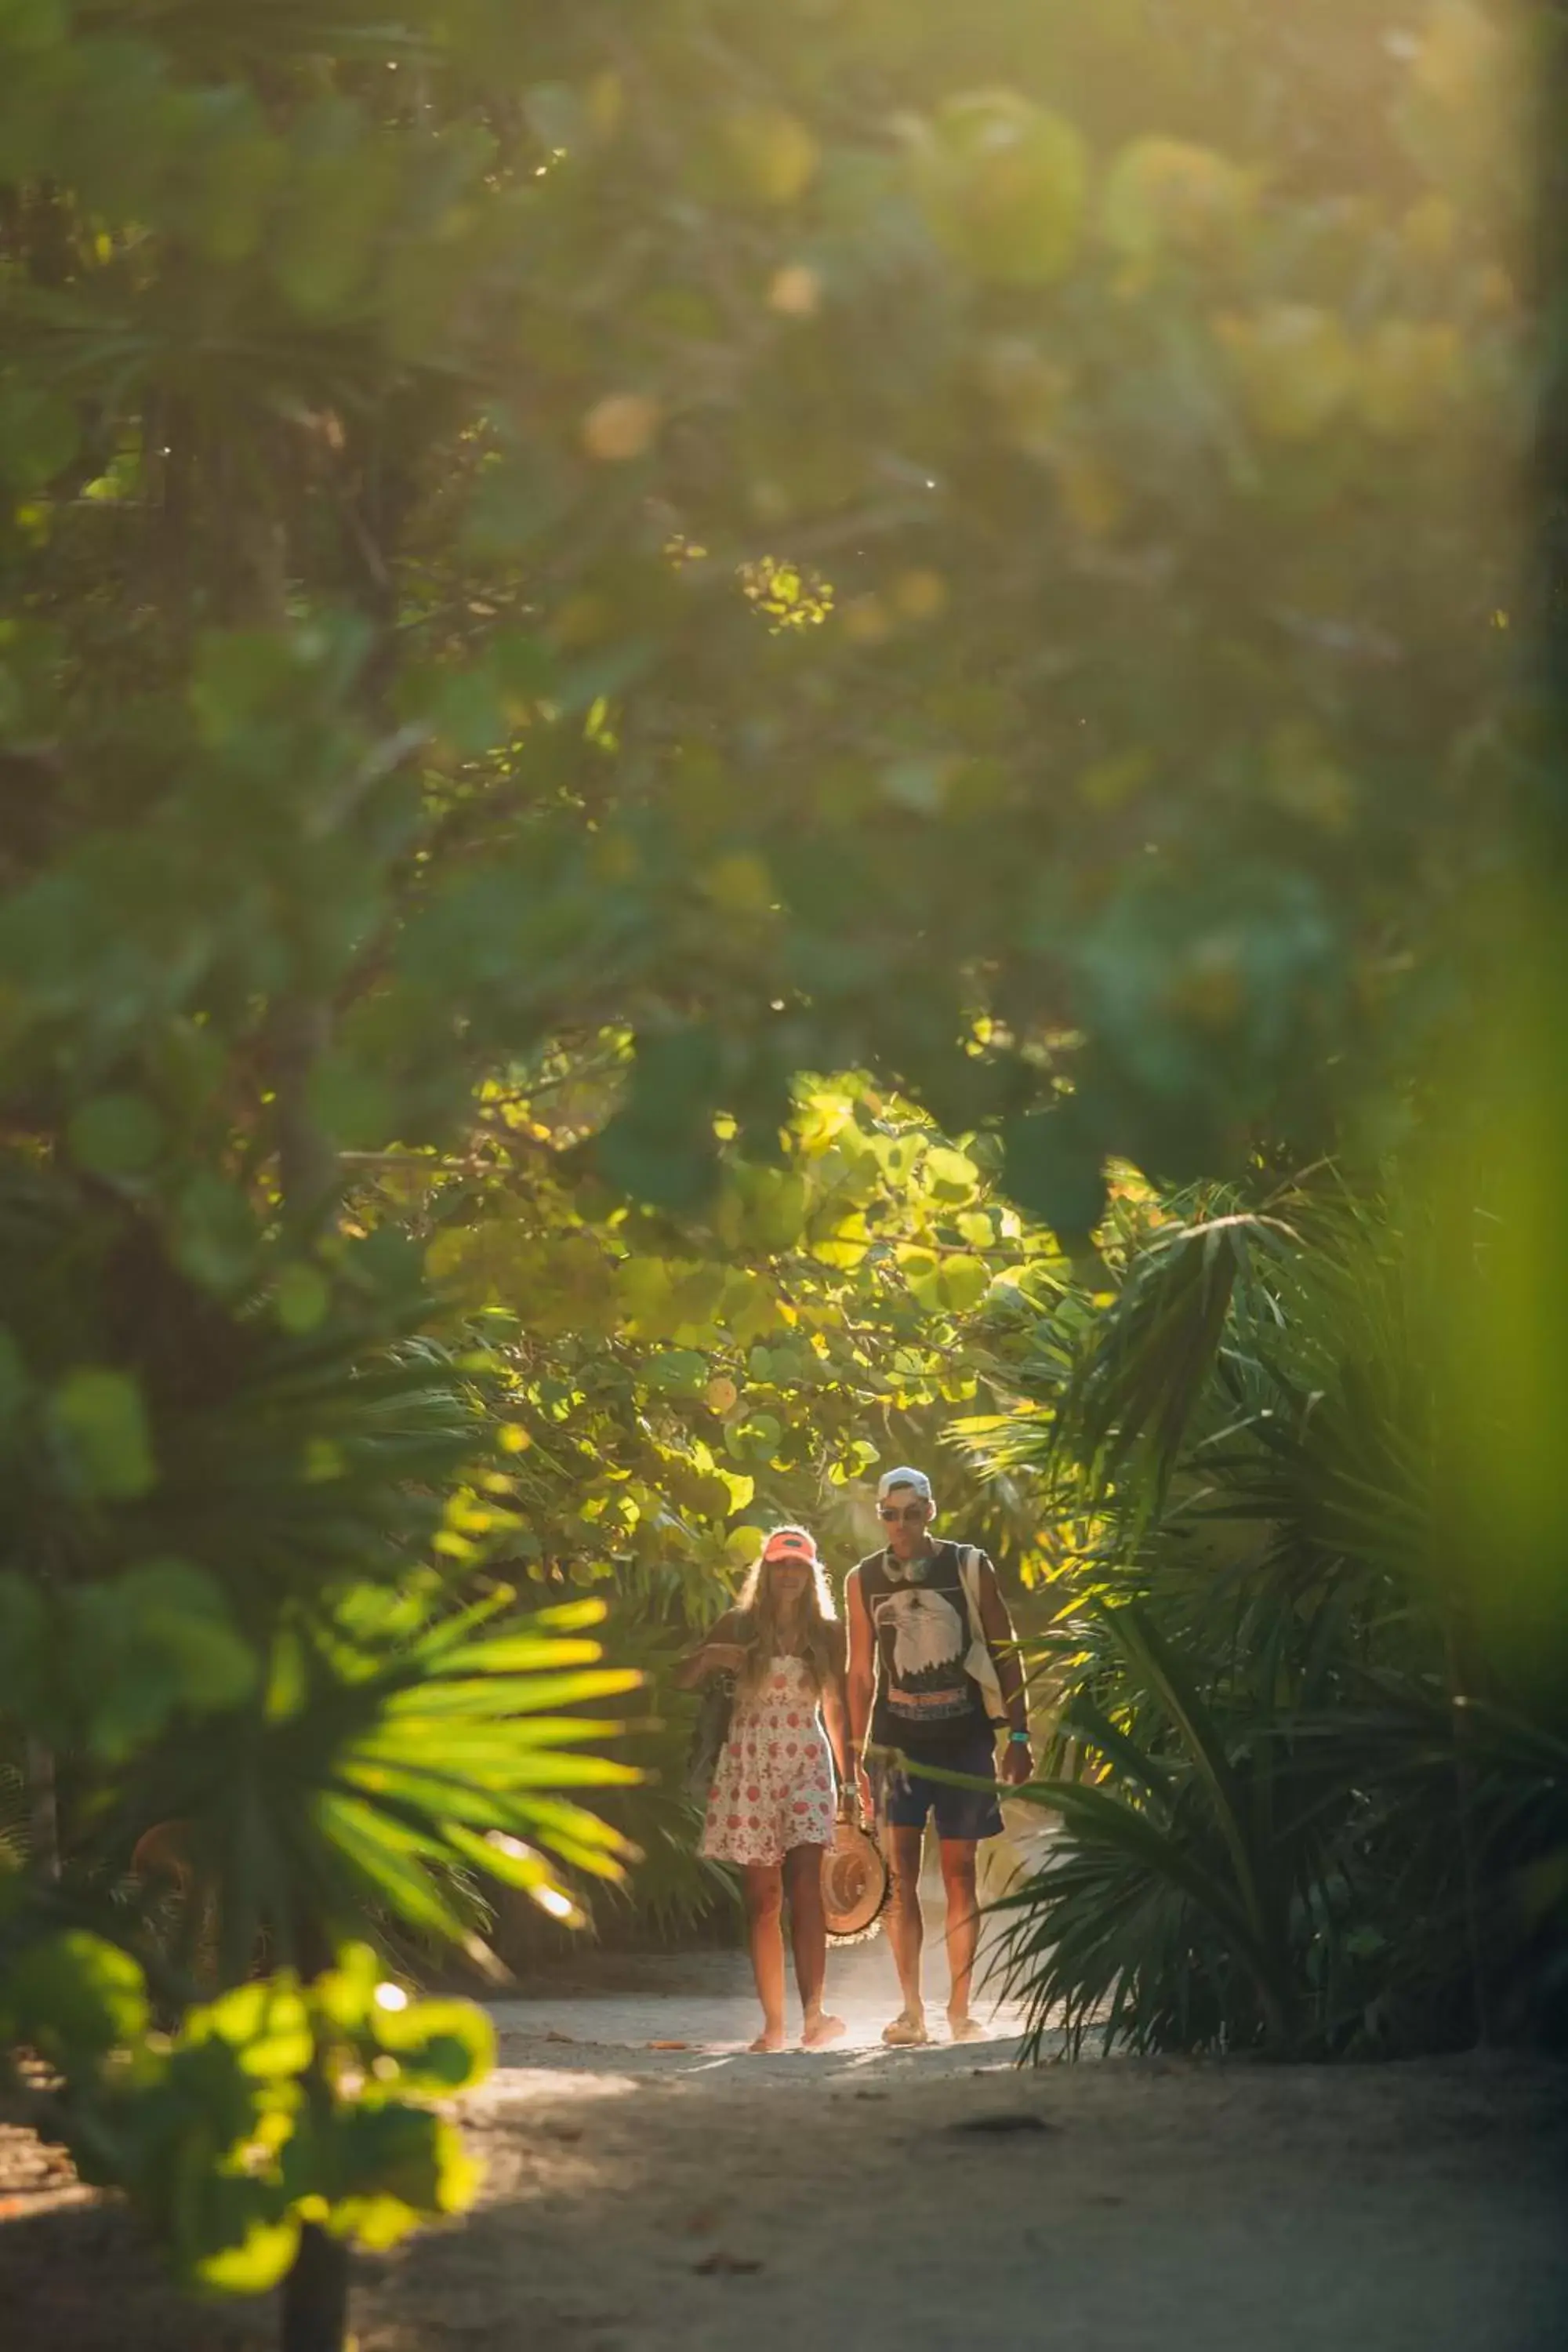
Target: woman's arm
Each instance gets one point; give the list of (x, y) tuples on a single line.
[(719, 1651)]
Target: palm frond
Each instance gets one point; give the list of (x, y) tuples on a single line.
[(1300, 1823)]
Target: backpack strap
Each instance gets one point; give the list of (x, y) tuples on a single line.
[(979, 1665)]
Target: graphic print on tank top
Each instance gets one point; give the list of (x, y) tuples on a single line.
[(921, 1629)]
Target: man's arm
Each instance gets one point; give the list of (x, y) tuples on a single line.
[(836, 1722), (859, 1678), (1018, 1763)]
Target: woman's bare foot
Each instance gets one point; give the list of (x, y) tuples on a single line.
[(769, 2039), (907, 2032), (820, 2031), (965, 2028)]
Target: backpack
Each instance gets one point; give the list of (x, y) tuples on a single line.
[(714, 1711), (709, 1733)]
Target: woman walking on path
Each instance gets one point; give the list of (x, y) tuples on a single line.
[(771, 1806)]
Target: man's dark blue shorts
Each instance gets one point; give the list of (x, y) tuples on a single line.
[(965, 1813)]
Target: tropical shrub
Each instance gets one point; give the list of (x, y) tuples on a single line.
[(274, 2106), (262, 1710), (1310, 1798), (296, 1728)]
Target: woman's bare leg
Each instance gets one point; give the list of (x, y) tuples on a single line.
[(808, 1940), (764, 1885)]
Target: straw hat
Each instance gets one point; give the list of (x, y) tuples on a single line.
[(855, 1884)]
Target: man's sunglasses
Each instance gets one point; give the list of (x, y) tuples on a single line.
[(892, 1513)]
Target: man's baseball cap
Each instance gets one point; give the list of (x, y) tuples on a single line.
[(915, 1478), (790, 1543)]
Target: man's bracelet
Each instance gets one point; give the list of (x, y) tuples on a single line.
[(1020, 1738)]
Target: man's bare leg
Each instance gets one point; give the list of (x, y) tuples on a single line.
[(905, 1933), (962, 1933)]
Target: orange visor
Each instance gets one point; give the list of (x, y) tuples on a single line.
[(790, 1543)]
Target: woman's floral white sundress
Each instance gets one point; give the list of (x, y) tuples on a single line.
[(774, 1786)]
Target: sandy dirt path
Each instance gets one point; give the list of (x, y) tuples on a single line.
[(695, 2199), (919, 2208), (642, 2199)]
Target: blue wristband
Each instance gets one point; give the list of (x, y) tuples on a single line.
[(1020, 1738)]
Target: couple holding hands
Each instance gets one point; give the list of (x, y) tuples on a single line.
[(929, 1673)]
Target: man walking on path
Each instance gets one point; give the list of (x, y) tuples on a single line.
[(929, 1638)]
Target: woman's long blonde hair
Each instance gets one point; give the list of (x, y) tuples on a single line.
[(759, 1603)]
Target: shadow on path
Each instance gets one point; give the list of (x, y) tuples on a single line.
[(695, 2199), (926, 2207)]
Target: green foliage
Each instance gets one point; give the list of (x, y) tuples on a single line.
[(300, 1727), (104, 1667), (667, 1384), (392, 1754), (564, 569), (275, 2105), (1308, 1797), (390, 1757), (1045, 337)]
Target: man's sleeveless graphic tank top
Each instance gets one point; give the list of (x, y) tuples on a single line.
[(925, 1702)]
